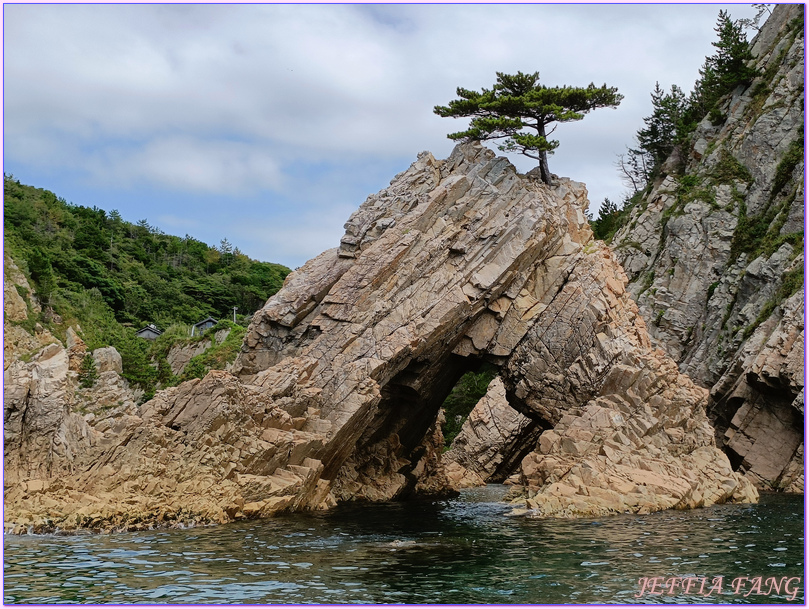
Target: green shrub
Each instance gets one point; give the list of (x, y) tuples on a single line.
[(786, 166), (791, 282), (459, 403), (88, 373)]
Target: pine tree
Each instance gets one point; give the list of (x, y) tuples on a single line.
[(88, 373), (658, 136), (675, 116), (723, 71), (517, 102)]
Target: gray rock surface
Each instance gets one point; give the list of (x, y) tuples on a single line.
[(706, 288), (493, 439), (179, 355), (107, 359)]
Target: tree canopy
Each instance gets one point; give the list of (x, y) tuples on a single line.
[(518, 102), (93, 269), (676, 115)]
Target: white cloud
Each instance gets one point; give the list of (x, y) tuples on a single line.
[(227, 98), (292, 240), (189, 164)]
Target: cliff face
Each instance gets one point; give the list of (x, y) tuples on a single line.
[(52, 422), (715, 254), (336, 394)]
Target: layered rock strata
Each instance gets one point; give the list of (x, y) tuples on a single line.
[(716, 246), (336, 394), (492, 441)]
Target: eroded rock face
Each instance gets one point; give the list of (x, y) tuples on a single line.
[(15, 284), (492, 441), (763, 388), (336, 394), (704, 282), (179, 355)]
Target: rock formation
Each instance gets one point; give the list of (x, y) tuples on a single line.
[(715, 250), (492, 442), (336, 394), (180, 354), (51, 423)]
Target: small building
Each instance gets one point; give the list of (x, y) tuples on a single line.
[(149, 332), (205, 324)]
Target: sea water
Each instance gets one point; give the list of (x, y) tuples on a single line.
[(464, 550)]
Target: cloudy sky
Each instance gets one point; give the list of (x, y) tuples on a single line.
[(269, 124)]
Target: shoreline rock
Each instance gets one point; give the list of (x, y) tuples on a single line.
[(337, 391)]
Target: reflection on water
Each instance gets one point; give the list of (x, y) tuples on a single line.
[(465, 550)]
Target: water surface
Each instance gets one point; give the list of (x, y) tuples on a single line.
[(465, 550)]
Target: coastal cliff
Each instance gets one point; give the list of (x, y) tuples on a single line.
[(714, 253), (336, 393)]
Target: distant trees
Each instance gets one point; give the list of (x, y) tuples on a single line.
[(88, 373), (675, 115), (112, 276), (609, 220), (146, 276), (518, 102)]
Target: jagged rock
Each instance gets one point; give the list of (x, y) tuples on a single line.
[(763, 387), (492, 441), (206, 451), (18, 342), (342, 374), (700, 286), (13, 303), (107, 359), (459, 477), (76, 350), (179, 355), (616, 456)]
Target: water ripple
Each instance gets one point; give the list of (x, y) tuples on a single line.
[(466, 550)]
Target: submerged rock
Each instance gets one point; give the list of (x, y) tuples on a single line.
[(336, 394)]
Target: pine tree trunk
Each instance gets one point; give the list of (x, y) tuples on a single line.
[(544, 172)]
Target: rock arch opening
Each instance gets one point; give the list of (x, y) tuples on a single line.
[(399, 452)]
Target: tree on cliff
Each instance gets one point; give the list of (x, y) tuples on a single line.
[(517, 102), (722, 72)]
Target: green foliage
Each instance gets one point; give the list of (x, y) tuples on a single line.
[(112, 277), (88, 373), (516, 102), (609, 220), (723, 71), (728, 169), (761, 234), (658, 137), (712, 289), (144, 275), (676, 115), (462, 399), (218, 356), (791, 282), (648, 280), (787, 164)]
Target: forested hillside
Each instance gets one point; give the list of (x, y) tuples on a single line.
[(143, 274), (109, 277)]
